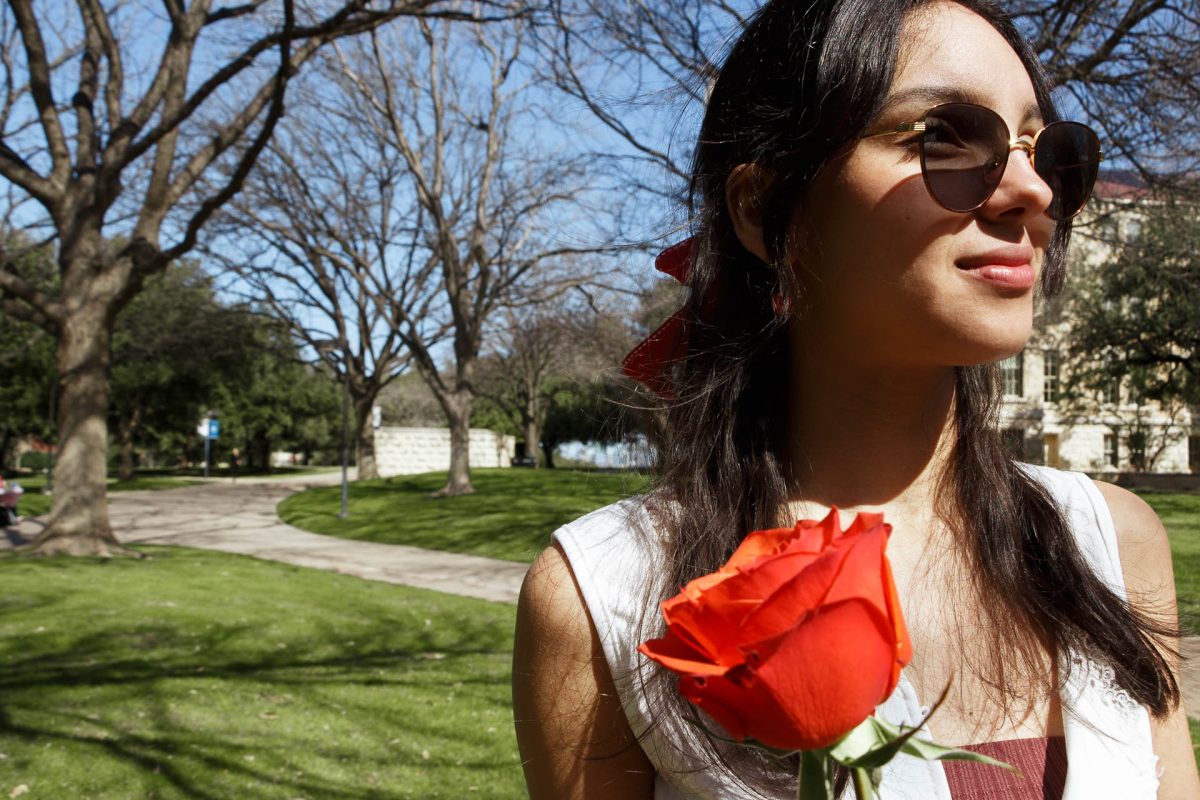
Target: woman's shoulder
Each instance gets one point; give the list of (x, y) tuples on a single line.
[(1112, 522), (1145, 550), (614, 555)]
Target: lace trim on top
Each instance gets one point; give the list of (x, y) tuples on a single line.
[(1102, 679)]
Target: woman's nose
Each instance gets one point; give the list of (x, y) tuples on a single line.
[(1022, 192)]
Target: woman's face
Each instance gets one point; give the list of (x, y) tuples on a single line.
[(890, 277)]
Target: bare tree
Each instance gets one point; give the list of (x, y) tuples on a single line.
[(1132, 69), (520, 376), (642, 67), (490, 191), (322, 237), (551, 360), (103, 136)]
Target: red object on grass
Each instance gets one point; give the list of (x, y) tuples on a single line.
[(796, 639)]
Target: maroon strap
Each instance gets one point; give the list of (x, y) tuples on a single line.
[(1041, 775)]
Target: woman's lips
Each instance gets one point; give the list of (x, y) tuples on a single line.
[(1009, 269), (1018, 276)]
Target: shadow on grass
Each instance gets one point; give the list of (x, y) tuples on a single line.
[(392, 694)]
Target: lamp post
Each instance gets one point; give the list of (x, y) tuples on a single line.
[(328, 347)]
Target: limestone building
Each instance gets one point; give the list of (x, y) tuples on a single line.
[(1114, 432)]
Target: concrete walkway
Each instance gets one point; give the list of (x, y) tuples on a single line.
[(240, 518)]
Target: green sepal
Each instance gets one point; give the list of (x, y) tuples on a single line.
[(875, 742)]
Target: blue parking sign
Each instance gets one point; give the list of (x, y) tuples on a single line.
[(214, 429)]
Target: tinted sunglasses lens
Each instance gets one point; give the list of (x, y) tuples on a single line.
[(1067, 158), (963, 154)]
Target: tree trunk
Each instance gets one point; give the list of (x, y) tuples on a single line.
[(548, 452), (458, 413), (263, 445), (365, 439), (533, 433), (125, 432), (5, 438), (79, 516)]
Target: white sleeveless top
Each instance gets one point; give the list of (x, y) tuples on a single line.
[(614, 556)]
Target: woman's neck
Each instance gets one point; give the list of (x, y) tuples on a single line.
[(862, 438)]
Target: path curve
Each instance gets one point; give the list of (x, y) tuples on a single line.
[(240, 518)]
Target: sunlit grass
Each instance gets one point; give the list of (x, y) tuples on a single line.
[(510, 516), (203, 675)]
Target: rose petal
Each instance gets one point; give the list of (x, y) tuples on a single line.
[(805, 591), (808, 535), (713, 622), (904, 651), (860, 574), (758, 544), (720, 699), (679, 657), (826, 676)]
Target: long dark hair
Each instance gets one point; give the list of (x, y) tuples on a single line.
[(803, 81)]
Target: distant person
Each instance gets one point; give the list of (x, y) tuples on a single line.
[(9, 497), (235, 461)]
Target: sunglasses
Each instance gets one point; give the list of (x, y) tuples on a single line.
[(964, 152)]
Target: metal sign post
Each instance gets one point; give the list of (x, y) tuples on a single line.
[(210, 429)]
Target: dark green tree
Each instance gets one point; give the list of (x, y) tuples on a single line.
[(26, 377), (277, 401), (172, 347), (1135, 316), (27, 370)]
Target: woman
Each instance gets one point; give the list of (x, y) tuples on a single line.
[(854, 279)]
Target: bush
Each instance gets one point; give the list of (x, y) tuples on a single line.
[(33, 461)]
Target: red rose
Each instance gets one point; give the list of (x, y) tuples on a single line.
[(796, 639)]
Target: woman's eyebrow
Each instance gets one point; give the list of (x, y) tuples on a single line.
[(930, 96)]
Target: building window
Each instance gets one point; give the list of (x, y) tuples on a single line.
[(1013, 371), (1050, 456), (1050, 376), (1112, 392), (1137, 451), (1112, 455), (1014, 441), (1194, 453), (1107, 230), (1133, 230)]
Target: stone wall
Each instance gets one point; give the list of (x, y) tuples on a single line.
[(407, 451)]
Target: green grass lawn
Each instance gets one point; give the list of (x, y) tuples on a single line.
[(209, 676), (1180, 514), (510, 516)]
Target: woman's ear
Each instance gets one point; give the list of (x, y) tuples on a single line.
[(743, 198)]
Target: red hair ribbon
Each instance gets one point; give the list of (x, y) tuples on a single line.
[(650, 362)]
